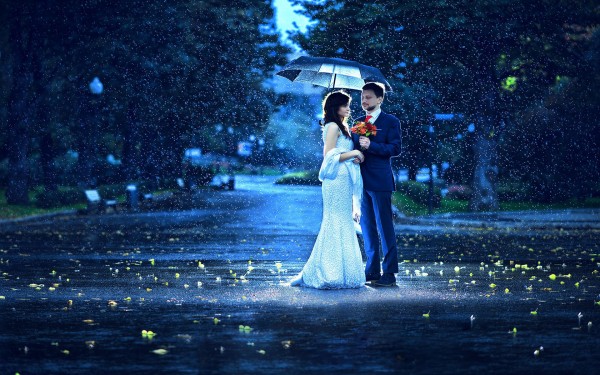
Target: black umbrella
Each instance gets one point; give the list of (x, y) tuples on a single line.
[(332, 73)]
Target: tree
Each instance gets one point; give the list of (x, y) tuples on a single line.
[(555, 147), (169, 71), (24, 21), (488, 60)]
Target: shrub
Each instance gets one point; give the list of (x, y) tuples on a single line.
[(4, 172), (513, 192), (419, 192), (64, 196), (300, 178), (459, 192)]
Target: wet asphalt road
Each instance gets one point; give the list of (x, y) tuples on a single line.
[(209, 281)]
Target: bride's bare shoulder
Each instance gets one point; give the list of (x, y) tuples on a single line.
[(329, 124)]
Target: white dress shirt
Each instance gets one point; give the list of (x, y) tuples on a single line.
[(374, 115)]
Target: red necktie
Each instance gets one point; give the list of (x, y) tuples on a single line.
[(368, 118)]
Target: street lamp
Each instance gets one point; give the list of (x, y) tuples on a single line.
[(96, 87), (89, 139), (431, 145)]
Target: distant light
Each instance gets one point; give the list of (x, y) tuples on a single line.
[(402, 64), (444, 116), (110, 158), (471, 128), (416, 60), (459, 136), (218, 127), (230, 130), (193, 152), (399, 28), (431, 129), (261, 142), (244, 149), (96, 86), (252, 138), (339, 50)]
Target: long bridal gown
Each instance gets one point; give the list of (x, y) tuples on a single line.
[(336, 261)]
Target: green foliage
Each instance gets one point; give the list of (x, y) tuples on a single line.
[(410, 207), (406, 205), (419, 192), (171, 73), (514, 192), (554, 147), (492, 61), (300, 178), (64, 196)]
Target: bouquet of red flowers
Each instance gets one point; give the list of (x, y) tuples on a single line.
[(364, 128)]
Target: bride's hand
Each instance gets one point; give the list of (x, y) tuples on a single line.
[(360, 156)]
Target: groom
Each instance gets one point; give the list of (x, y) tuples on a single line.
[(378, 180)]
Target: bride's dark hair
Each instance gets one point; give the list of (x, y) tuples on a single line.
[(331, 105)]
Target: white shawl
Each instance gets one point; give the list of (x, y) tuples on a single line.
[(329, 170)]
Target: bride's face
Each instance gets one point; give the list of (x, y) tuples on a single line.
[(344, 111)]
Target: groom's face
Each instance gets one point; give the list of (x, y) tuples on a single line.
[(370, 101)]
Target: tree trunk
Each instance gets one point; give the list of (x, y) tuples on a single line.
[(21, 103), (131, 145), (47, 153), (17, 191), (484, 196), (88, 138)]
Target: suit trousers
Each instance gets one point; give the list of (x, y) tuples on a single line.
[(377, 224)]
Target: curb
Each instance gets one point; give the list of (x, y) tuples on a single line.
[(584, 219), (38, 217)]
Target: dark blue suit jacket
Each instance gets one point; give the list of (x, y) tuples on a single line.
[(376, 170)]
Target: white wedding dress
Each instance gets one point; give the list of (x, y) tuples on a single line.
[(336, 261)]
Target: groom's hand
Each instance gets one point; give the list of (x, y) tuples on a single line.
[(364, 142)]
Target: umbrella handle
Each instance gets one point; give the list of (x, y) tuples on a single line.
[(330, 85)]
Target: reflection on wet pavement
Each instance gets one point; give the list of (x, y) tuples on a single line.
[(210, 279)]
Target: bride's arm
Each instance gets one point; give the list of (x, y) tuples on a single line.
[(331, 140)]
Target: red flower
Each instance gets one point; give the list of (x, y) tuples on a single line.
[(361, 128)]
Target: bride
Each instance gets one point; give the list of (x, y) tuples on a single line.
[(336, 261)]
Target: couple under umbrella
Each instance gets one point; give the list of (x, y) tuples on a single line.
[(356, 175)]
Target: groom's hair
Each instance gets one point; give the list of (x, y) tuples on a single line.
[(376, 87)]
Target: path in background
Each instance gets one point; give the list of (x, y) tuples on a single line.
[(209, 281)]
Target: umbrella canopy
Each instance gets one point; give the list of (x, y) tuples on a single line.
[(332, 73)]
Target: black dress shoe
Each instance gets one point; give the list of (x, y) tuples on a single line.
[(388, 279), (373, 277)]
